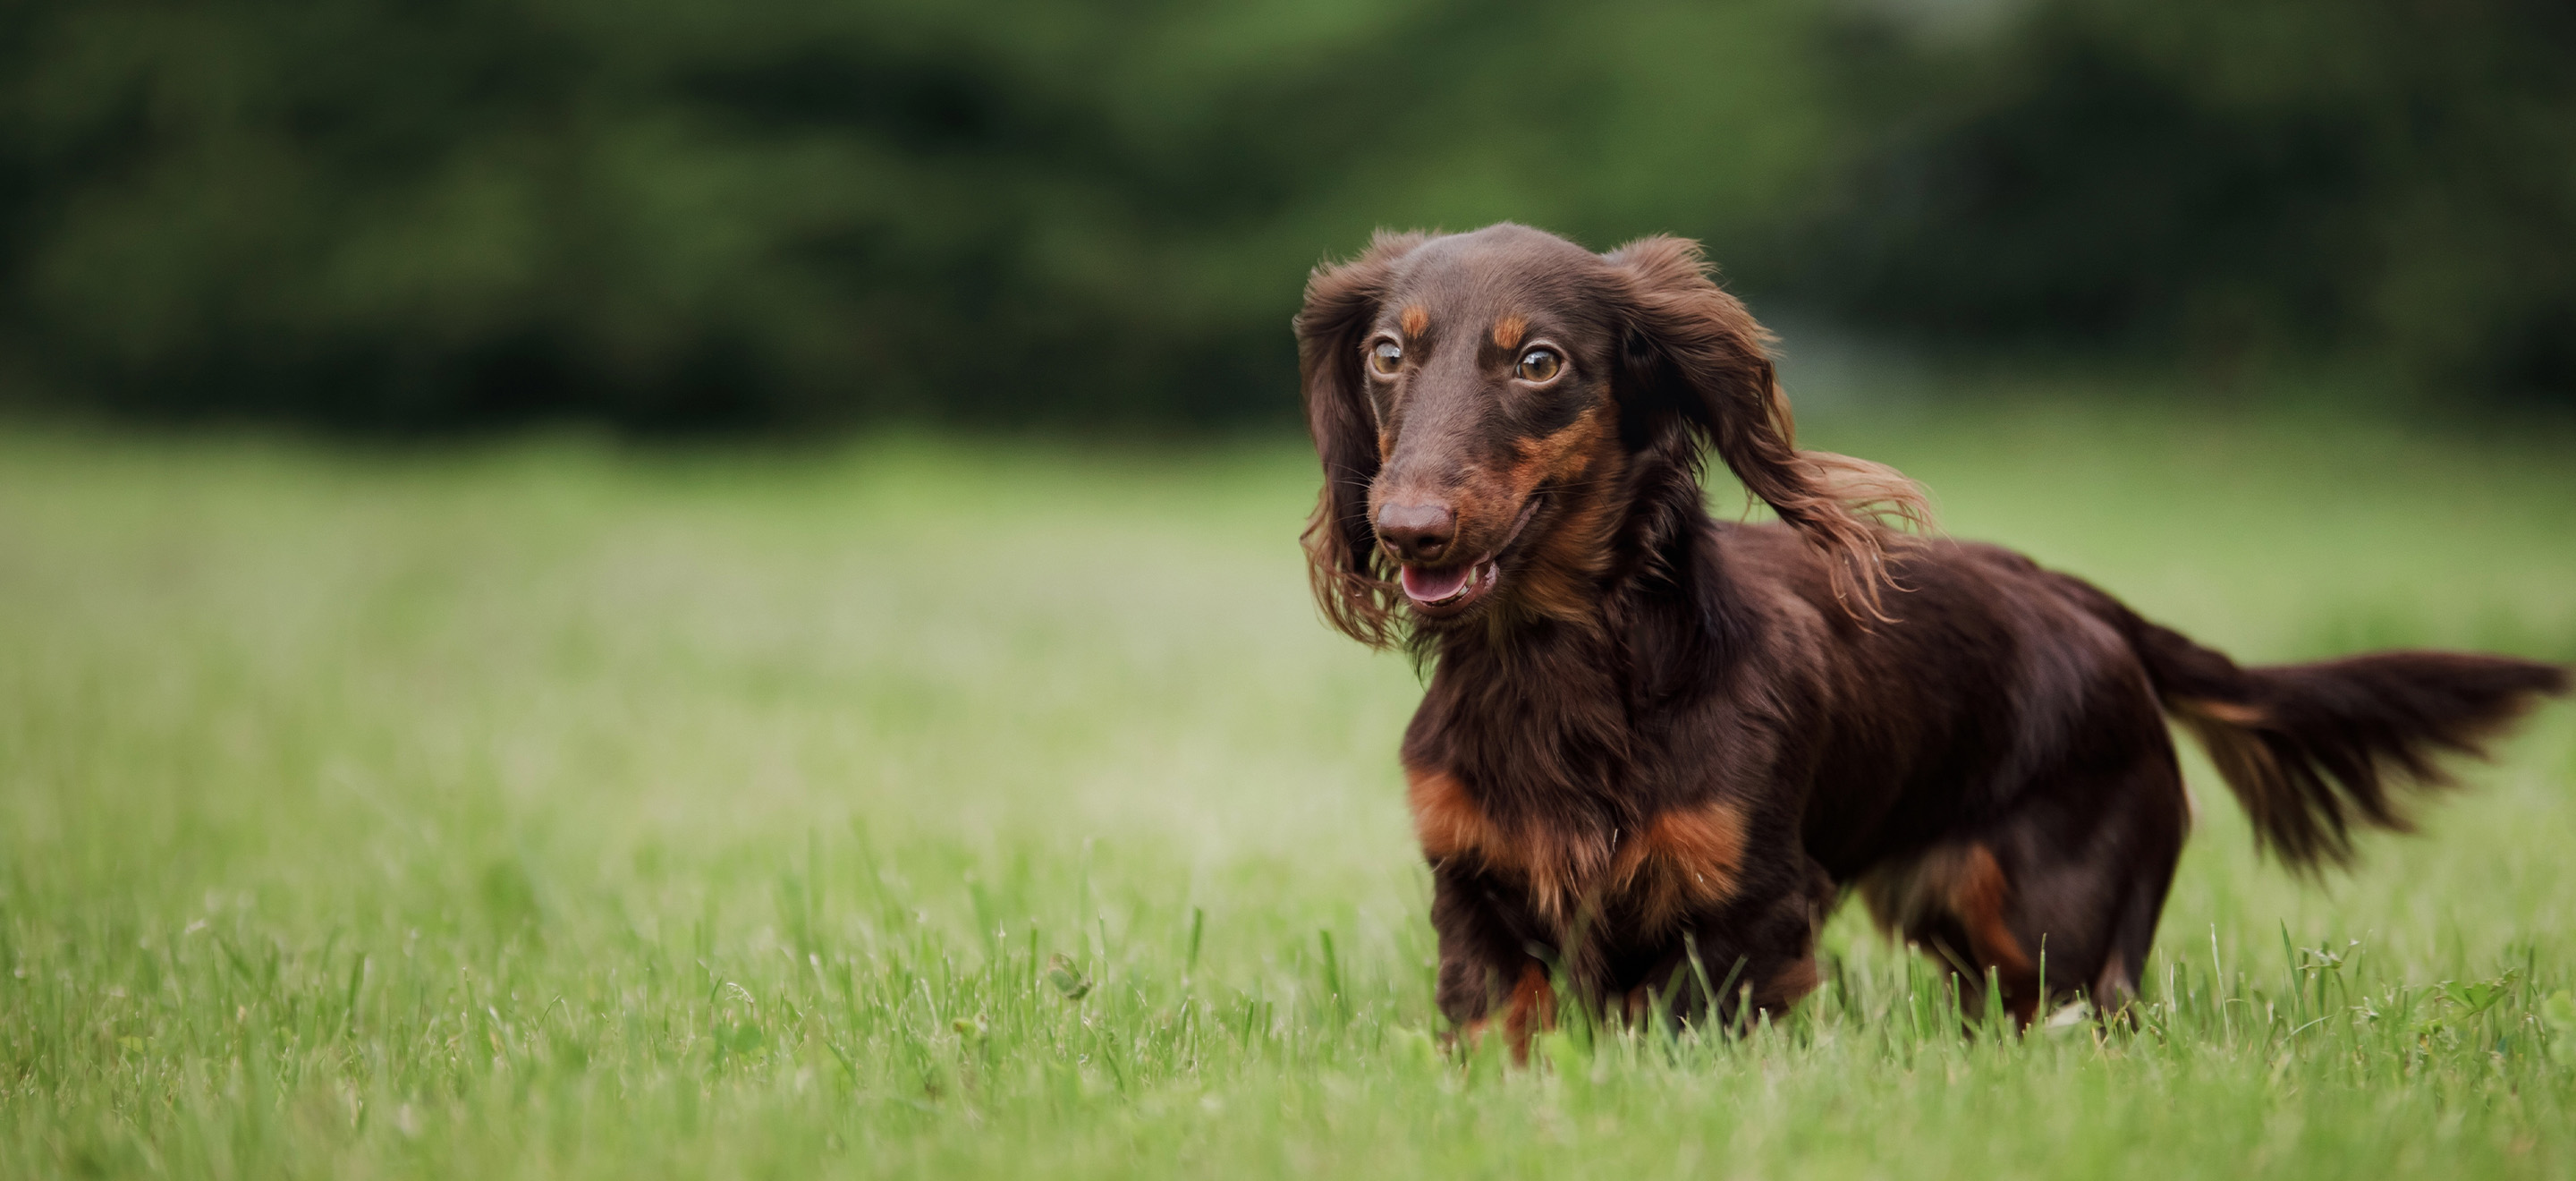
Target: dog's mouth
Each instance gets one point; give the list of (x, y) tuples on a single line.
[(1448, 590)]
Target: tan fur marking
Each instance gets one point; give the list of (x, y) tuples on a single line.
[(2226, 731), (1561, 580), (1414, 320), (1509, 330), (1686, 860), (1789, 985), (1446, 822), (1965, 883), (1555, 865), (1563, 455), (1978, 896), (1533, 1003), (2229, 712)]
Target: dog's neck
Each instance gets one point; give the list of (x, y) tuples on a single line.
[(1542, 709)]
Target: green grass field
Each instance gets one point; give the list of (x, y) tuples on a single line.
[(555, 810)]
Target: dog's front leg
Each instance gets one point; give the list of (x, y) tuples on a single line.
[(1487, 966), (1760, 953)]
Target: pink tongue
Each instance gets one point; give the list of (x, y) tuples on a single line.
[(1431, 586)]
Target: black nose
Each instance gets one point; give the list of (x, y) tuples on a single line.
[(1416, 532)]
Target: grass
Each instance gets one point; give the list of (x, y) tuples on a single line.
[(548, 810)]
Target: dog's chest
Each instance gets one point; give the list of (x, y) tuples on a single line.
[(1675, 862)]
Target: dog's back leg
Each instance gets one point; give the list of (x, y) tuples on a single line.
[(2057, 898), (2089, 895)]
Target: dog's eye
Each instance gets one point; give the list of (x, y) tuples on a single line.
[(1539, 365), (1386, 357)]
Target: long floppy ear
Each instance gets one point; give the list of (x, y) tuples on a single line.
[(1351, 581), (1694, 353)]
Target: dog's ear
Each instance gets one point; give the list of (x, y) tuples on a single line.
[(1694, 360), (1351, 582)]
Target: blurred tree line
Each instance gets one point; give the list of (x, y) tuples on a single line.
[(672, 214)]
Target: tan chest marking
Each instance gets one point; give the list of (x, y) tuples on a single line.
[(1686, 859)]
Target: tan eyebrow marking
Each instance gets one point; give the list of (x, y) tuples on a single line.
[(1508, 331), (1414, 320)]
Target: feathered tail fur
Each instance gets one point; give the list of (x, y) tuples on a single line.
[(2313, 750)]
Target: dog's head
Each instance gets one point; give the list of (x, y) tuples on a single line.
[(1483, 403)]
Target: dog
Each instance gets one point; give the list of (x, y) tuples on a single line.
[(1656, 749)]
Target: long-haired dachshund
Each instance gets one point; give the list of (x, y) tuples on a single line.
[(1656, 748)]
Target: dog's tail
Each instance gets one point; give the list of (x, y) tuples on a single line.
[(2313, 749)]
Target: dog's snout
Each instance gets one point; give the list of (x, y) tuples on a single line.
[(1417, 532)]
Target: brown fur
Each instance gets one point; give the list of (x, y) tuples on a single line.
[(1789, 985), (1562, 572), (1554, 867), (1981, 898), (1957, 902), (1657, 748), (1683, 860), (1508, 332), (1532, 1010), (1717, 349)]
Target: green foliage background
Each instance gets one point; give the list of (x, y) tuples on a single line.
[(676, 213), (2386, 182)]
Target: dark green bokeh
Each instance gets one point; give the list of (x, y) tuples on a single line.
[(671, 214), (2388, 183)]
